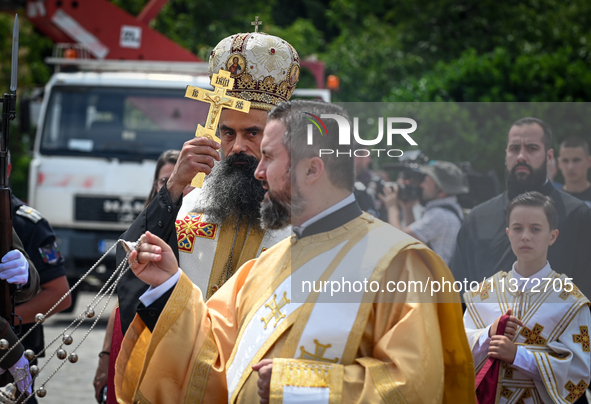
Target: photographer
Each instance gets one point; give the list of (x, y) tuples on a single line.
[(442, 219), (368, 185)]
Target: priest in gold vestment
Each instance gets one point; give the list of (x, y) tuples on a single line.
[(279, 330), (216, 229)]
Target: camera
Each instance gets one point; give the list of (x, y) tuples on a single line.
[(408, 168), (408, 193)]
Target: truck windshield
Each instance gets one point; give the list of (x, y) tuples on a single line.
[(124, 123)]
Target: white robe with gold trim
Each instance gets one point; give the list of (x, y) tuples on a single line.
[(556, 332), (204, 245)]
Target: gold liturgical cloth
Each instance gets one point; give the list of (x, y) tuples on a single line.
[(218, 100)]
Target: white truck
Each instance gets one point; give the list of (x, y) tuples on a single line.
[(99, 134)]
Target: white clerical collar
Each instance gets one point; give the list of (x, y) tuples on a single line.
[(542, 273), (348, 200)]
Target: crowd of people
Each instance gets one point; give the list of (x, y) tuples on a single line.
[(214, 309)]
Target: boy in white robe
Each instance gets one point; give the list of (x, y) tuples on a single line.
[(545, 350)]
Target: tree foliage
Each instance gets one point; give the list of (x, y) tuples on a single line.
[(32, 71), (384, 50), (501, 77), (394, 51)]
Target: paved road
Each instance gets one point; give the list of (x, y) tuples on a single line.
[(73, 383)]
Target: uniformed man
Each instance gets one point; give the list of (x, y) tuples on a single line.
[(16, 269), (39, 242)]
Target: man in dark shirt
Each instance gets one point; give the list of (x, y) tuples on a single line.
[(39, 242), (483, 247), (574, 163)]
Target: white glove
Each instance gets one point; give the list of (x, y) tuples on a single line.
[(21, 375), (14, 268)]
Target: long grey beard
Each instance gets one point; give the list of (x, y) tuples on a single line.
[(231, 190)]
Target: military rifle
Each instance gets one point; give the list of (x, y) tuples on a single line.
[(8, 114)]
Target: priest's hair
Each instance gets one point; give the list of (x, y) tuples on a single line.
[(295, 116)]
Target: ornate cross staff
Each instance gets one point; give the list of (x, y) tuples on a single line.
[(218, 99)]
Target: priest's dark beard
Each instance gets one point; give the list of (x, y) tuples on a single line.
[(232, 190), (533, 182), (280, 206)]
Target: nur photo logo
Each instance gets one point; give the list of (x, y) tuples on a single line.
[(392, 127)]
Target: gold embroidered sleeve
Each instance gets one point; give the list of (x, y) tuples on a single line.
[(292, 374)]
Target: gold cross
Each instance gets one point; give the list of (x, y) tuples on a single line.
[(505, 392), (275, 310), (575, 292), (533, 337), (583, 338), (483, 291), (256, 23), (318, 354), (218, 99), (508, 370), (575, 391), (526, 394)]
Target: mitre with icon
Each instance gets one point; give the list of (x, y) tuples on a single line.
[(247, 70)]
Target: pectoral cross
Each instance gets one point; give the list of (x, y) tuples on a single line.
[(218, 99), (275, 310), (256, 23)]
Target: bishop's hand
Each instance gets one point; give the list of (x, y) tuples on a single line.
[(198, 155), (153, 261)]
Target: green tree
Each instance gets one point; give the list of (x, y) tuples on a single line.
[(392, 51), (501, 77), (408, 39), (32, 71)]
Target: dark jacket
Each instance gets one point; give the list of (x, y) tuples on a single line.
[(24, 294), (158, 218)]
